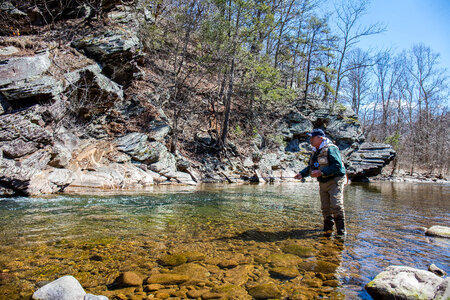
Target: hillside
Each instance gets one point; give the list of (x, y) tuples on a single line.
[(88, 104)]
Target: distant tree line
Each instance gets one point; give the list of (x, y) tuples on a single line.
[(403, 100)]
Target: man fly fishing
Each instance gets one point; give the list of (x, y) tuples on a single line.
[(326, 165)]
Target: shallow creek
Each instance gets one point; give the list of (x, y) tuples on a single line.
[(231, 241)]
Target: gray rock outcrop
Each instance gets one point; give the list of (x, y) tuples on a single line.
[(398, 282), (369, 160), (22, 82), (117, 51)]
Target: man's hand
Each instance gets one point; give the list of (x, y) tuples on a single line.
[(298, 176), (316, 173)]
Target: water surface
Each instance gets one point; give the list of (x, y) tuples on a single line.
[(95, 238)]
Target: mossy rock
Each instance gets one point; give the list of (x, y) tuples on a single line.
[(173, 260), (332, 283), (265, 291), (284, 272), (283, 260), (298, 250), (193, 271), (127, 279), (313, 282), (325, 267), (194, 256)]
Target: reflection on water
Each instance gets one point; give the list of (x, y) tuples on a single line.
[(44, 238)]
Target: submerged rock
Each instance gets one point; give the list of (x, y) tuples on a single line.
[(265, 291), (128, 279), (284, 260), (284, 272), (173, 260), (398, 282), (167, 279)]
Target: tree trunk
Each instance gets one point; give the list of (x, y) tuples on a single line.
[(228, 105)]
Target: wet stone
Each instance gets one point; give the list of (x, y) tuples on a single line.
[(194, 256), (153, 287), (173, 260), (193, 271), (128, 279), (284, 260), (228, 264), (314, 282), (167, 279), (325, 267), (196, 293), (298, 250), (265, 291), (332, 283), (238, 275), (438, 231), (284, 272)]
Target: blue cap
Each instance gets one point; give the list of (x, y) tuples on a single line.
[(317, 132)]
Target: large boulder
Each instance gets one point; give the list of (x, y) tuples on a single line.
[(117, 51), (22, 83), (22, 68), (398, 282), (369, 160), (296, 126), (91, 92), (137, 146), (111, 177), (64, 288), (439, 231)]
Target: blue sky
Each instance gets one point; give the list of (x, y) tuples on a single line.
[(409, 22)]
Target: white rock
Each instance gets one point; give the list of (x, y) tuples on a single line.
[(440, 231), (64, 288), (398, 282), (8, 50), (60, 177)]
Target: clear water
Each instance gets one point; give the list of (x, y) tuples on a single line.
[(45, 238)]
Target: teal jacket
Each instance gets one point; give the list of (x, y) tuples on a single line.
[(334, 168)]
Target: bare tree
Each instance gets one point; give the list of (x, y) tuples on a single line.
[(387, 76), (350, 32), (359, 77)]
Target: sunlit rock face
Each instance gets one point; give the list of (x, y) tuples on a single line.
[(369, 160)]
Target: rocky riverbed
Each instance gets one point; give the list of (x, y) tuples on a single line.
[(250, 265)]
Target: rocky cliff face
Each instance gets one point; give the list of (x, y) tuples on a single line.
[(70, 122)]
